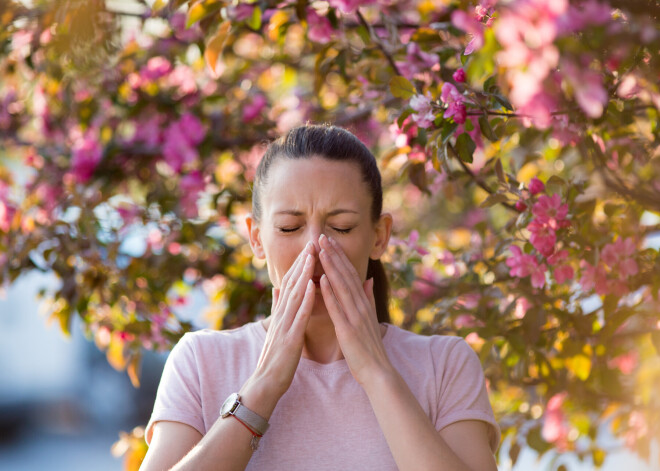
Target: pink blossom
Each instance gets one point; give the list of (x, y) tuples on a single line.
[(87, 153), (555, 427), (454, 99), (320, 30), (522, 306), (423, 108), (543, 237), (240, 12), (521, 206), (349, 6), (178, 24), (626, 362), (594, 277), (563, 273), (579, 16), (193, 128), (148, 131), (156, 68), (7, 212), (177, 149), (417, 61), (472, 26), (637, 428), (522, 265), (253, 109), (459, 75), (618, 256), (588, 88), (549, 210), (558, 257), (191, 185), (536, 186), (183, 78), (181, 139)]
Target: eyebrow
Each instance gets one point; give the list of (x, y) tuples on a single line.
[(334, 212)]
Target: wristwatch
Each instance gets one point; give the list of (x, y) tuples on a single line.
[(257, 424)]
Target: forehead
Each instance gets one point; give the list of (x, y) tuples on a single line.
[(315, 183)]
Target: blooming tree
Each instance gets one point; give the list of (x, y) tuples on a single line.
[(518, 142)]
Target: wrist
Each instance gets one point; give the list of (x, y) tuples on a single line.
[(380, 379), (259, 397)]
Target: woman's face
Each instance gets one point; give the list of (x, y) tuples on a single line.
[(304, 198)]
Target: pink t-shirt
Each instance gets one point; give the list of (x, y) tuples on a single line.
[(324, 421)]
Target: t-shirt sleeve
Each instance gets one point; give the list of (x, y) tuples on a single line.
[(461, 387), (178, 397)]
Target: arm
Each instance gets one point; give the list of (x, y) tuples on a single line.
[(180, 447), (413, 440)]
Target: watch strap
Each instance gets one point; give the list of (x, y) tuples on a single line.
[(251, 419)]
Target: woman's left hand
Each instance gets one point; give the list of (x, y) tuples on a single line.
[(352, 308)]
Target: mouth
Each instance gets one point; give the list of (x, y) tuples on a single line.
[(317, 280)]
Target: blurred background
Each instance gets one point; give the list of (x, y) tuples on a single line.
[(526, 205)]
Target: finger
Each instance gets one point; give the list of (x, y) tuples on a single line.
[(294, 273), (276, 298), (297, 293), (347, 271), (350, 297), (288, 275), (369, 291), (336, 313), (304, 313)]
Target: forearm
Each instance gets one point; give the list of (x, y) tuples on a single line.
[(228, 441), (413, 440)]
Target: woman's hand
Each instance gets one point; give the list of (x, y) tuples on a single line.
[(290, 312), (352, 308)]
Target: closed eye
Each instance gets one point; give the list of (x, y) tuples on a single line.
[(294, 229)]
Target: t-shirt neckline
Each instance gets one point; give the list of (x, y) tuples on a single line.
[(338, 366)]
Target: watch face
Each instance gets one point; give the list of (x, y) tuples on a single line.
[(229, 405)]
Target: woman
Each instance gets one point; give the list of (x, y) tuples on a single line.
[(335, 386)]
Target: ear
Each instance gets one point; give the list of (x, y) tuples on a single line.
[(255, 236), (383, 232)]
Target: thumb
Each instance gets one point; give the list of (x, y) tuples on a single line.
[(276, 298)]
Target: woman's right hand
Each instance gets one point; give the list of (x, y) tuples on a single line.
[(290, 312)]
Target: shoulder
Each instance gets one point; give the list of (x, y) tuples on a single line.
[(205, 339), (403, 340)]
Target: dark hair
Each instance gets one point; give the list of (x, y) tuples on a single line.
[(332, 143)]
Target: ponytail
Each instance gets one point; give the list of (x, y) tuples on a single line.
[(376, 271)]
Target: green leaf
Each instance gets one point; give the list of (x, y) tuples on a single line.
[(499, 171), (487, 130), (503, 101), (254, 21), (402, 117), (465, 147), (448, 131), (201, 10), (494, 199), (402, 88)]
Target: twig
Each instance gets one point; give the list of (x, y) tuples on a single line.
[(375, 39), (476, 179)]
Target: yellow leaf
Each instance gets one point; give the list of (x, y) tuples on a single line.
[(115, 354), (278, 19), (133, 370), (401, 87), (214, 45), (580, 366), (196, 13)]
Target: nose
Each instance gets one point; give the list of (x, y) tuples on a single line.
[(315, 233)]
